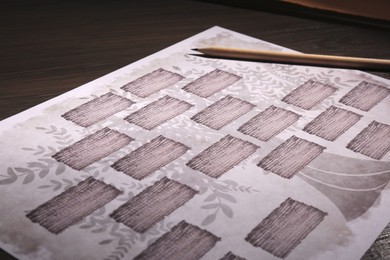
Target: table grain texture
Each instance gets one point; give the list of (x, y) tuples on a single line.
[(49, 47)]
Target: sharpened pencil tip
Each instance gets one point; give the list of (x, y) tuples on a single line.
[(195, 49)]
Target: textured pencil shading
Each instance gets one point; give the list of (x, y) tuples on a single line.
[(231, 256), (97, 109), (150, 157), (222, 156), (290, 157), (153, 204), (184, 241), (373, 141), (309, 94), (152, 82), (211, 83), (71, 206), (332, 123), (92, 148), (158, 112), (223, 112), (365, 96), (285, 228), (269, 123)]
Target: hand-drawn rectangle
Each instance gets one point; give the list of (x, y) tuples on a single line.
[(269, 123), (184, 241), (211, 83), (332, 123), (72, 205), (222, 156), (223, 112), (365, 96), (158, 112), (373, 141), (231, 256), (286, 227), (150, 157), (97, 109), (152, 83), (92, 148), (153, 204), (309, 94), (290, 157)]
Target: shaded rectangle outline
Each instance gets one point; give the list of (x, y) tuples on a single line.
[(365, 96), (332, 123), (285, 227), (92, 148), (72, 205), (153, 204), (152, 82), (158, 112), (222, 156), (184, 241), (211, 83), (373, 141), (150, 157), (269, 123), (309, 94), (222, 112), (97, 109), (290, 157)]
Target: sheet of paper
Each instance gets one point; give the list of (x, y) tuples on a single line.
[(182, 157)]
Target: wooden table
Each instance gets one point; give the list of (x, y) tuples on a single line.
[(50, 47)]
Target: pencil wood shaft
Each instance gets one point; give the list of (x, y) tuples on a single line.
[(296, 58)]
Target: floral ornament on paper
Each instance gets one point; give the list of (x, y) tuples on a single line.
[(46, 168)]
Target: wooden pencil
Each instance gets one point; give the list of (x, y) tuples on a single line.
[(296, 58)]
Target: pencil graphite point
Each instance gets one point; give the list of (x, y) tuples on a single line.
[(195, 49)]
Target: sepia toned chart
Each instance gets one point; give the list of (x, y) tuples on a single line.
[(183, 157)]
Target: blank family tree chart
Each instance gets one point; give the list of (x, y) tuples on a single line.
[(182, 157)]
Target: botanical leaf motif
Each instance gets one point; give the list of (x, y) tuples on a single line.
[(43, 173), (208, 220), (60, 169), (49, 161), (107, 241), (210, 206), (99, 230), (226, 197), (211, 197), (12, 177), (230, 182), (44, 186), (24, 170), (176, 68), (36, 165), (29, 178), (85, 226), (236, 187), (57, 185), (218, 196), (227, 210), (40, 150)]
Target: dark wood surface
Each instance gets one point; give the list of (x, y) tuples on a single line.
[(50, 47)]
